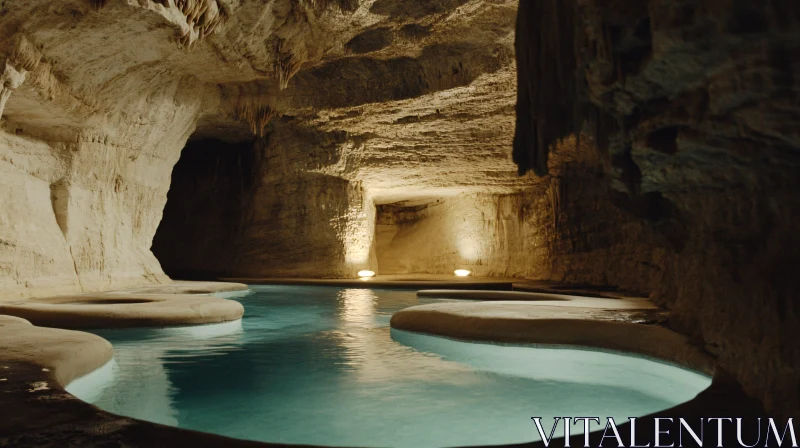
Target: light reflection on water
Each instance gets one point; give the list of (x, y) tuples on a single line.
[(319, 365)]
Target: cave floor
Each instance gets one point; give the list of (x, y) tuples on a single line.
[(405, 281), (440, 281)]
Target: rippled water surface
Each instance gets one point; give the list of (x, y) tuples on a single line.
[(319, 365)]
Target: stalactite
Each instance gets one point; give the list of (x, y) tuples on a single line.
[(25, 55), (257, 114), (553, 99), (548, 103), (203, 17), (10, 79), (286, 64), (324, 5), (98, 4)]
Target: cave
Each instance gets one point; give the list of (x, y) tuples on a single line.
[(399, 223)]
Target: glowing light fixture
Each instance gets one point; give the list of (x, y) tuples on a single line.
[(366, 274), (461, 272)]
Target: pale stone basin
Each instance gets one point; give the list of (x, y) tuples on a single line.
[(117, 310)]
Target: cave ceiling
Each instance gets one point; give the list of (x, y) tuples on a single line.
[(423, 91)]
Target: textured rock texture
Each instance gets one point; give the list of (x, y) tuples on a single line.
[(317, 138), (562, 227), (99, 98), (80, 208), (693, 105), (257, 210)]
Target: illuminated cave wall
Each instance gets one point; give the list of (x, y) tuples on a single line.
[(264, 208), (564, 227), (80, 202), (472, 232)]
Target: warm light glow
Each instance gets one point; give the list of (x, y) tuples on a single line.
[(367, 274), (461, 272)]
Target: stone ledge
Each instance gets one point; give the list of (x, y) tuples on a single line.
[(114, 310), (186, 287), (593, 323), (63, 354), (553, 298)]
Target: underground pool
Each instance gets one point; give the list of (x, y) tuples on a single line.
[(320, 365)]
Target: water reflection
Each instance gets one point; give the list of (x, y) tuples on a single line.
[(357, 307), (136, 383), (371, 355)]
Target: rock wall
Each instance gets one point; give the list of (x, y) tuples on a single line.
[(563, 228), (462, 232), (80, 207), (98, 98), (692, 105), (268, 208)]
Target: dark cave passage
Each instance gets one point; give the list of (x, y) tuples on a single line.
[(208, 196)]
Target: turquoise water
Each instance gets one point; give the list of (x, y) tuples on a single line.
[(319, 365)]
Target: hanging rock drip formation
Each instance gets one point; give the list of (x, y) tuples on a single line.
[(286, 64), (202, 17), (547, 100), (10, 79), (24, 58), (257, 114)]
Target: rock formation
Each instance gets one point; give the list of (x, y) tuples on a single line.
[(693, 106), (315, 138), (101, 97)]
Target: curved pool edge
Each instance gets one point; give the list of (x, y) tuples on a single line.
[(724, 397), (111, 310), (404, 337), (36, 366), (496, 322), (556, 326)]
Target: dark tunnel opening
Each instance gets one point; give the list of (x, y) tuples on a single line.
[(210, 187)]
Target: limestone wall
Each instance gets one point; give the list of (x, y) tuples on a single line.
[(563, 227), (80, 207), (98, 99), (486, 234)]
